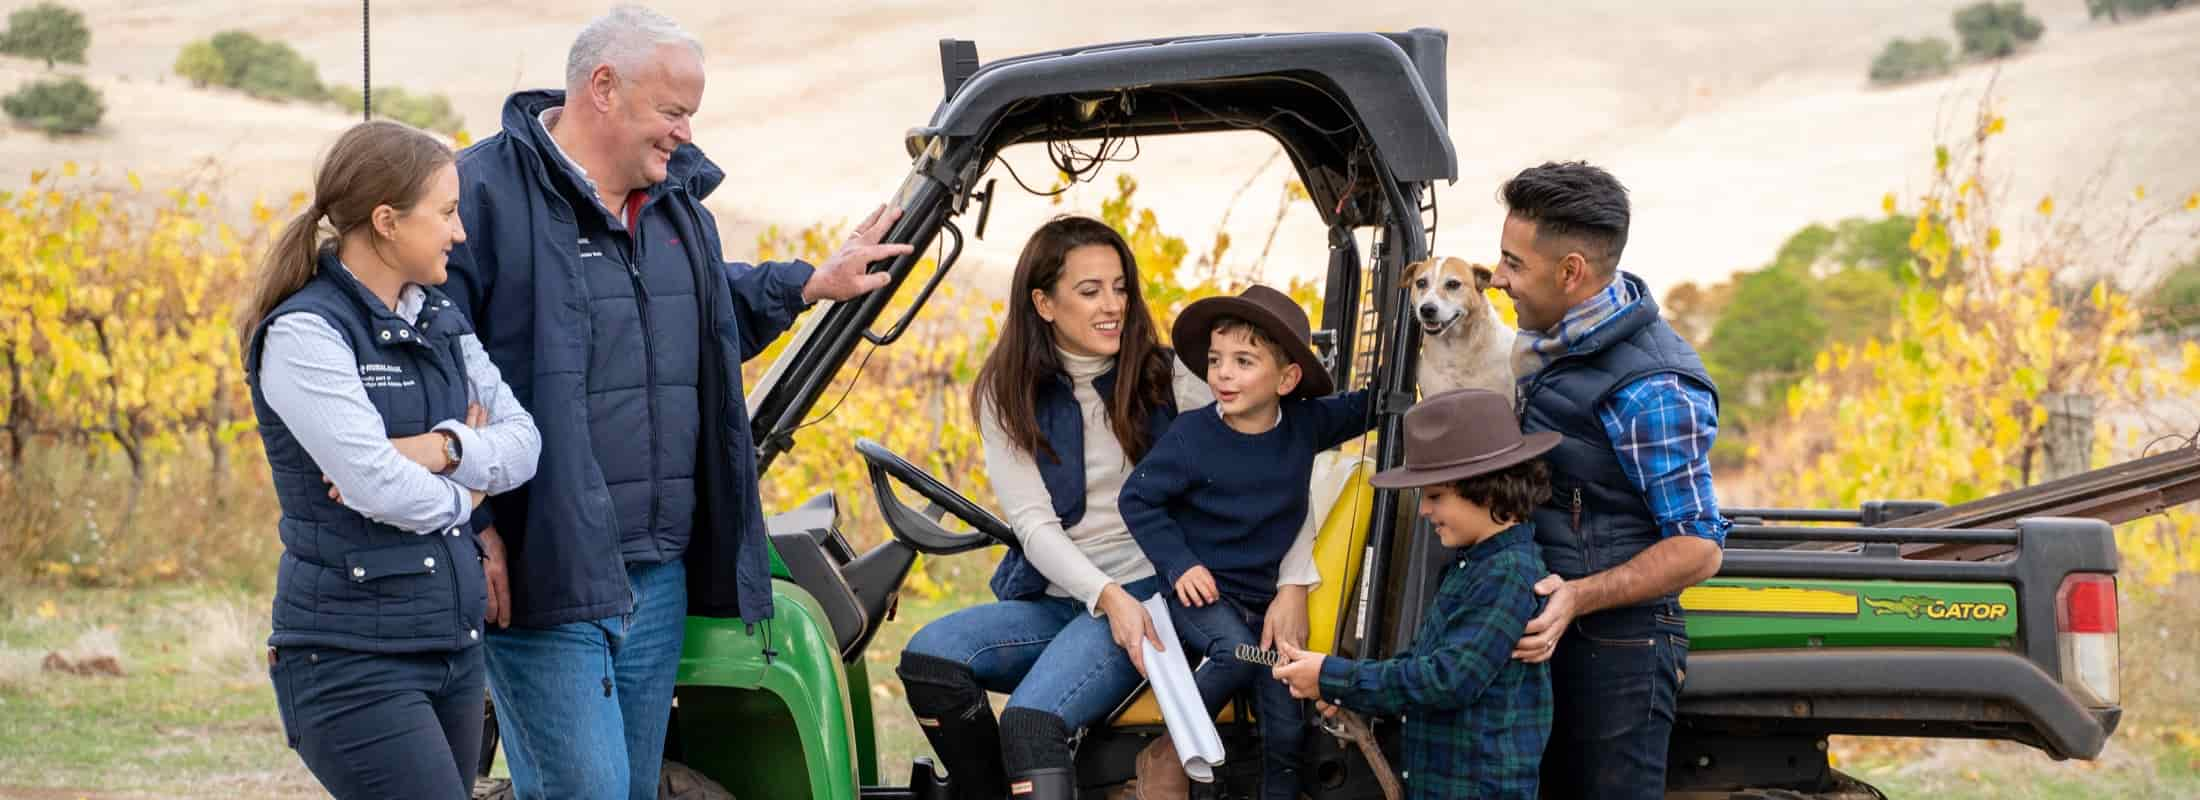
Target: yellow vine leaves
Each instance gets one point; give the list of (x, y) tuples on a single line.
[(1947, 403)]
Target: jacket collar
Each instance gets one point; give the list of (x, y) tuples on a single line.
[(689, 171), (1522, 533)]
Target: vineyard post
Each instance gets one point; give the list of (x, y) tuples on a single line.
[(2069, 437)]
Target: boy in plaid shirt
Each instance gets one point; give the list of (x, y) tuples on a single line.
[(1478, 718)]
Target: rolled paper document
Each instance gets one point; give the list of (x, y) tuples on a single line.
[(1197, 741)]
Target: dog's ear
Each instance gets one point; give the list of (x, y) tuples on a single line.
[(1481, 278), (1414, 270)]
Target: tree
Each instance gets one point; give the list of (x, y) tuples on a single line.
[(264, 68), (48, 31), (1693, 309), (1995, 30), (67, 105), (201, 64), (2115, 9), (428, 112), (1768, 333), (1880, 244), (1906, 60), (2175, 301), (1945, 401)]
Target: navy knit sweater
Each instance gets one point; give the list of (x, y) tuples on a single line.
[(1207, 495)]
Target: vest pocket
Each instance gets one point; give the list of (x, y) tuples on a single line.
[(403, 585)]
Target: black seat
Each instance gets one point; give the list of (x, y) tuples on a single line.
[(819, 576), (802, 537)]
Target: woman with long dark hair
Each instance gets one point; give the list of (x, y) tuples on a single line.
[(384, 425), (1076, 390)]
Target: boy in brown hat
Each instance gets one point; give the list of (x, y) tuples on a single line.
[(1219, 500), (1479, 718)]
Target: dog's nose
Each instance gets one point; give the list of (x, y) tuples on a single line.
[(1428, 311)]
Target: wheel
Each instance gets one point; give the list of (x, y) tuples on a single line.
[(488, 736), (678, 781), (1845, 788), (675, 781), (493, 789)]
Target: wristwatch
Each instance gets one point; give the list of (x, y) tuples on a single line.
[(451, 451)]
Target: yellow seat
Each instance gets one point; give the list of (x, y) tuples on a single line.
[(1341, 498)]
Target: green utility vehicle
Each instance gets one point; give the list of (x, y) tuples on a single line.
[(1992, 620)]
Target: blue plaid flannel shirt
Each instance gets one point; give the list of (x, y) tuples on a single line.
[(1662, 426), (1476, 721)]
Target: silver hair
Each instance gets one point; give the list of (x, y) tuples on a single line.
[(626, 38)]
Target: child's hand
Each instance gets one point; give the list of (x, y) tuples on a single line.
[(1286, 620), (1197, 587), (1327, 711), (1300, 670)]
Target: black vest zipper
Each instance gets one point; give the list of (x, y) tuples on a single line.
[(649, 377), (1588, 548), (439, 358)]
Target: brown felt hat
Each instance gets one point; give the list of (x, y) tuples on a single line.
[(1461, 434), (1274, 313)]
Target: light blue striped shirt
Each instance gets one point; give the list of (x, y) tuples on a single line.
[(310, 376)]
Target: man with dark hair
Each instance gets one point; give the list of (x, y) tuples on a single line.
[(1632, 519)]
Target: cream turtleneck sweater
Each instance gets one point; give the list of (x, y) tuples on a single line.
[(1083, 559)]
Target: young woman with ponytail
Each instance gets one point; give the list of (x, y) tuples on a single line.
[(385, 425)]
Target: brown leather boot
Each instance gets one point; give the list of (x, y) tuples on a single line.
[(1161, 774)]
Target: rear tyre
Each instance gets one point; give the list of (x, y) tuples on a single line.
[(488, 736), (678, 781), (675, 781), (1845, 788)]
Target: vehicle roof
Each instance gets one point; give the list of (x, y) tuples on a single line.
[(1327, 98)]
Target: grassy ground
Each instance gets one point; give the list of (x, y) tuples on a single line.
[(2131, 767), (899, 739), (193, 717)]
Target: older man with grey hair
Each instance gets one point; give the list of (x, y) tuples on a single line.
[(596, 279)]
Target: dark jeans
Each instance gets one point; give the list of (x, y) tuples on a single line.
[(382, 725), (1615, 681), (1214, 631)]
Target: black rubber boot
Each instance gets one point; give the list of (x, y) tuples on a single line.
[(952, 711), (1040, 763), (1035, 740), (1055, 783)]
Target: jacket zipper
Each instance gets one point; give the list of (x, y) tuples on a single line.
[(435, 357), (1589, 549), (649, 375)]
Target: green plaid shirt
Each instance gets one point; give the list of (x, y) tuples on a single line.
[(1475, 719)]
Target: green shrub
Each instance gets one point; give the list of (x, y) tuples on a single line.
[(2115, 10), (1912, 59), (48, 31), (67, 105), (255, 66), (1994, 30), (202, 65), (2176, 301), (429, 112)]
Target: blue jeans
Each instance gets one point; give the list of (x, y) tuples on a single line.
[(1615, 683), (373, 725), (1214, 631), (1047, 655), (582, 707)]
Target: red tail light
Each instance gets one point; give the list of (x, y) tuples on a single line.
[(2085, 627), (2086, 603)]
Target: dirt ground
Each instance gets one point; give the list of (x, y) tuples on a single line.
[(1732, 127)]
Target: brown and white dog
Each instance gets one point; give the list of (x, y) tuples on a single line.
[(1463, 343)]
